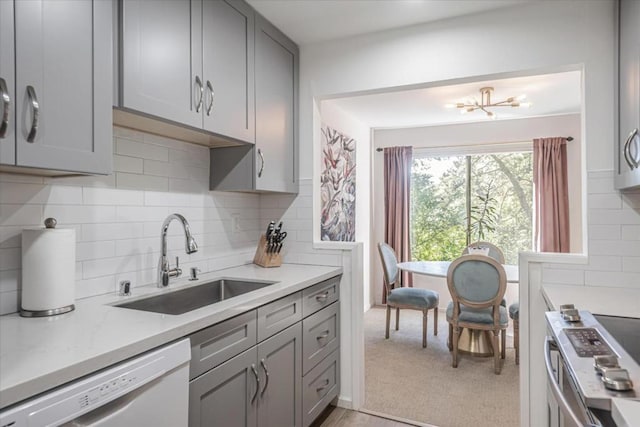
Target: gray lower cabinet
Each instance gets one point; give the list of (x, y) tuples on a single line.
[(57, 106), (271, 165), (628, 145), (268, 367), (260, 387)]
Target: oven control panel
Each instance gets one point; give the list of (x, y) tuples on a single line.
[(587, 342)]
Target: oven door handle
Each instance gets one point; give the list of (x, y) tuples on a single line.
[(571, 419)]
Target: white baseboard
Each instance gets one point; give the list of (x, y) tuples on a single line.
[(345, 403)]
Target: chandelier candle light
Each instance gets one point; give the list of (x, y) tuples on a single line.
[(485, 102)]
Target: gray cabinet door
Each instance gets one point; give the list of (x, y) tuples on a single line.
[(161, 61), (227, 60), (276, 108), (224, 396), (63, 59), (7, 86), (629, 95), (281, 395)]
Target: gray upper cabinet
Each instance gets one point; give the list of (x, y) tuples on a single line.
[(61, 103), (271, 164), (7, 85), (276, 109), (227, 58), (161, 72), (190, 63), (628, 146)]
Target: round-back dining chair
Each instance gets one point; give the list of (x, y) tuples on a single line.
[(477, 284), (405, 297)]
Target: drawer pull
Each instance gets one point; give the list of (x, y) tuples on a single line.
[(323, 386), (322, 297), (255, 373), (324, 335), (6, 99), (266, 376)]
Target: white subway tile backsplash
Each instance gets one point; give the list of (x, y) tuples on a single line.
[(10, 259), (24, 215), (126, 147), (10, 237), (631, 264), (603, 278), (156, 168), (9, 280), (94, 250), (9, 302), (20, 193), (141, 182), (563, 276), (80, 214), (155, 214), (109, 231), (604, 201), (127, 164), (112, 196), (605, 232), (630, 232)]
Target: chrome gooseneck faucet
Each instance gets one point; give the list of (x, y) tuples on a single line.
[(190, 246)]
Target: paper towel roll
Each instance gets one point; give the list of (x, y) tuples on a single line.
[(48, 270)]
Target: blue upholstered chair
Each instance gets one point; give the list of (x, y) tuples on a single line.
[(404, 297), (494, 251), (477, 284), (514, 313)]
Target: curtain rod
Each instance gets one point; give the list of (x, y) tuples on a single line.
[(569, 138)]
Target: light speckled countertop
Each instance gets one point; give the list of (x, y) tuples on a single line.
[(610, 301), (37, 354)]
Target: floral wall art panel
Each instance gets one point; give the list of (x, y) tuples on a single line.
[(338, 186)]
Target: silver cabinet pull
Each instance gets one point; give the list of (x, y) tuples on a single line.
[(262, 164), (322, 297), (6, 99), (323, 386), (323, 335), (199, 90), (210, 106), (255, 373), (632, 161), (35, 106), (266, 377)]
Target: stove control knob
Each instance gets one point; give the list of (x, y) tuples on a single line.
[(608, 361), (616, 379)]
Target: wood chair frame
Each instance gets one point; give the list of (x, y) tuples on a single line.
[(489, 245)]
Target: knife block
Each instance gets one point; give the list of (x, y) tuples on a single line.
[(265, 259)]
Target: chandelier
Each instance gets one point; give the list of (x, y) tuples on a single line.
[(485, 103)]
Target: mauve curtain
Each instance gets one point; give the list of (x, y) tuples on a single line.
[(397, 186), (551, 194)]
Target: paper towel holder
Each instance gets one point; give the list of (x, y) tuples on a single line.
[(49, 223)]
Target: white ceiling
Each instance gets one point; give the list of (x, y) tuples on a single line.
[(312, 21), (549, 94)]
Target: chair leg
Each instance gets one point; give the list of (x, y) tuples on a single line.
[(435, 321), (516, 339), (424, 328), (386, 334), (397, 318), (456, 335), (450, 338), (503, 335), (496, 352)]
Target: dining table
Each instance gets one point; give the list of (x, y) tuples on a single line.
[(472, 341)]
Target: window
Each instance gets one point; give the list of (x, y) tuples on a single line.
[(460, 199)]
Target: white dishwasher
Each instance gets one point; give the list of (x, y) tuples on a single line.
[(148, 390)]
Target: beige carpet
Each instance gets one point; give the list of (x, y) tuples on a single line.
[(405, 380)]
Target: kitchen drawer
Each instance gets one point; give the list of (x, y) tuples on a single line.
[(278, 315), (319, 387), (220, 342), (320, 336), (321, 295)]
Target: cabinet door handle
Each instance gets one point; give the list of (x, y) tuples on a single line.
[(255, 373), (262, 164), (323, 386), (632, 160), (210, 106), (322, 297), (625, 150), (199, 90), (266, 377), (323, 335), (6, 99), (35, 106)]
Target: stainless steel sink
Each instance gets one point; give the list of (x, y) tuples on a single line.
[(184, 300)]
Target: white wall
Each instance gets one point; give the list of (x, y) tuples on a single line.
[(117, 218), (480, 133), (347, 124)]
